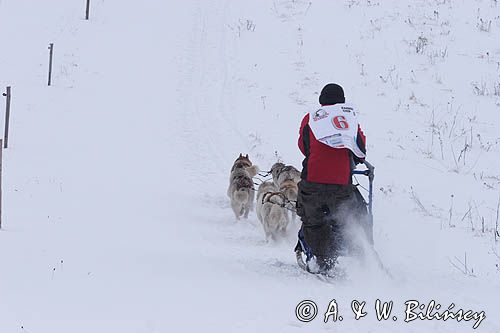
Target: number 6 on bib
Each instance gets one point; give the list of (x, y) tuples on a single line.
[(340, 123), (336, 126)]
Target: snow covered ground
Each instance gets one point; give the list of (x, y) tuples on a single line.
[(115, 217)]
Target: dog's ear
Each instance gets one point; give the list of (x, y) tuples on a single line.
[(246, 156), (241, 155)]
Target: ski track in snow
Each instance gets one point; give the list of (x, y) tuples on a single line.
[(116, 218)]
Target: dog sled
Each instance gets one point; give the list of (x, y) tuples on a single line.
[(304, 256)]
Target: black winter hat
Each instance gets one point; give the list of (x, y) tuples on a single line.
[(331, 94)]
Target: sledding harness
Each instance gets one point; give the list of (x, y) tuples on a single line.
[(282, 169), (264, 173), (243, 181), (303, 248), (268, 195), (287, 204)]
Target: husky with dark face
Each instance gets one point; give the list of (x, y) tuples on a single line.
[(286, 178), (241, 190)]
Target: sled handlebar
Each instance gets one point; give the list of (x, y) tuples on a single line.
[(370, 171)]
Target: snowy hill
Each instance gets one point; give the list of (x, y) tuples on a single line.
[(115, 215)]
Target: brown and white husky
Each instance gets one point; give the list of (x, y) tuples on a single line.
[(286, 178), (241, 191), (271, 210)]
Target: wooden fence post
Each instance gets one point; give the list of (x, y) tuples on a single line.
[(7, 117), (51, 53), (87, 10)]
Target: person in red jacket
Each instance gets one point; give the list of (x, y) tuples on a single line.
[(333, 143)]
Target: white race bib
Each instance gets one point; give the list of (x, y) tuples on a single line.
[(336, 126)]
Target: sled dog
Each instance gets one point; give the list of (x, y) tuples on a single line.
[(286, 177), (241, 190), (271, 210)]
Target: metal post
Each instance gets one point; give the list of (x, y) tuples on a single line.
[(87, 10), (371, 176), (7, 117), (1, 149), (51, 53), (370, 173)]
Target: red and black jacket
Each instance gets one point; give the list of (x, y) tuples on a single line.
[(324, 164)]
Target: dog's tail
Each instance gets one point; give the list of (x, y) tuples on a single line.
[(253, 170)]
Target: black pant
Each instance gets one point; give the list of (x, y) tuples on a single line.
[(326, 210)]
